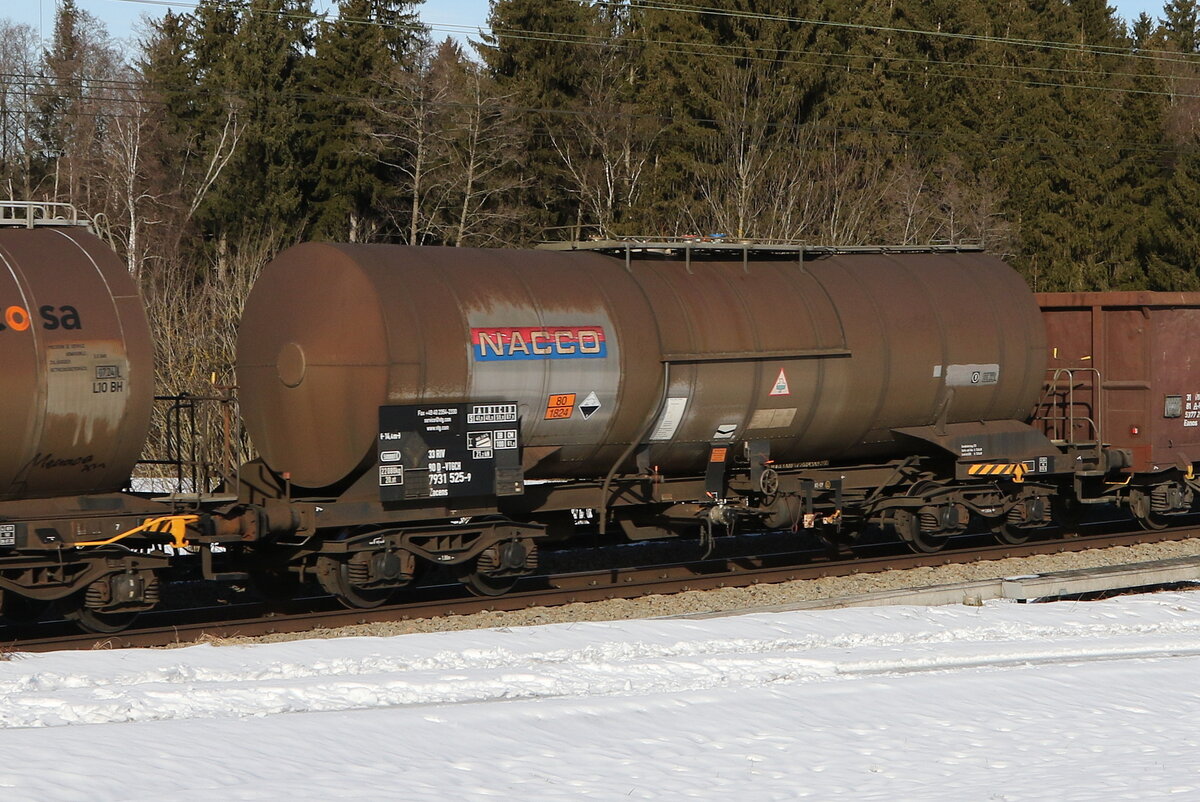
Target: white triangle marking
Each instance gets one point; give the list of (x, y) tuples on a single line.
[(590, 405), (781, 385)]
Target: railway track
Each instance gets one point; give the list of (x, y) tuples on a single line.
[(167, 628)]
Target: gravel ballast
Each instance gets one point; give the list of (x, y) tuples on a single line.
[(759, 596)]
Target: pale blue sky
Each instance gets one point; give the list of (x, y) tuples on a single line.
[(453, 17)]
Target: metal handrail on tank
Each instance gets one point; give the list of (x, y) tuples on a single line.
[(32, 214), (1062, 426), (764, 248), (196, 477), (720, 246)]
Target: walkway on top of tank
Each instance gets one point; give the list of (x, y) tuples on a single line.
[(720, 245)]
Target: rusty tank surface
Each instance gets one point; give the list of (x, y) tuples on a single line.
[(820, 354), (78, 365)]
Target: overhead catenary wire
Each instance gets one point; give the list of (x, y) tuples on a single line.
[(1144, 53), (741, 52), (1042, 44), (684, 48)]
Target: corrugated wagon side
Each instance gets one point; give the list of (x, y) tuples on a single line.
[(1124, 373)]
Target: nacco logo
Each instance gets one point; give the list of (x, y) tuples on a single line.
[(62, 317), (531, 342)]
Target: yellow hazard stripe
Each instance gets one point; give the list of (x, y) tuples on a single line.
[(998, 469)]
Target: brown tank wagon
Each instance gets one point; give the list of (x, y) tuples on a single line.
[(78, 364), (820, 358), (659, 386), (77, 358)]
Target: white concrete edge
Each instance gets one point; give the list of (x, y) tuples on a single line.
[(1023, 588)]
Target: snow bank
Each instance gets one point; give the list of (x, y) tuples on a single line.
[(1005, 701)]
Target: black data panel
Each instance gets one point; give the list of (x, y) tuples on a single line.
[(449, 451)]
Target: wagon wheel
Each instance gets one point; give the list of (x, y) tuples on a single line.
[(926, 543), (908, 527), (482, 583), (1008, 535), (334, 575), (1152, 521), (1139, 505), (102, 622)]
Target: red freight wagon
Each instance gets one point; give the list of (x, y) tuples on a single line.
[(1141, 349)]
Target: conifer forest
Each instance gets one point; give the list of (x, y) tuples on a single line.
[(1051, 132)]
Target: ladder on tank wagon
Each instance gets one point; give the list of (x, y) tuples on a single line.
[(1068, 420)]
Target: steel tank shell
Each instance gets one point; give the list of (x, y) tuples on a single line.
[(823, 357), (78, 363)]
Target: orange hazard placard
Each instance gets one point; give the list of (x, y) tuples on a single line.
[(559, 406), (718, 455)]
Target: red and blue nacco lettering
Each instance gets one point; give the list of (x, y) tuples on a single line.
[(504, 343)]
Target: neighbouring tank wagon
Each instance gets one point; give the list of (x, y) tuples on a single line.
[(78, 365)]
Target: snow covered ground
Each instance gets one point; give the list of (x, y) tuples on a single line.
[(1066, 701)]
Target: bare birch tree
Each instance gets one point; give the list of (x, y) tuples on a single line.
[(412, 140), (606, 146), (18, 61)]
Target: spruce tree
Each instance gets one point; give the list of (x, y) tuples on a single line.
[(167, 67), (356, 54), (1180, 21), (1172, 244), (249, 59), (734, 88), (68, 125), (1059, 157), (540, 54), (62, 87)]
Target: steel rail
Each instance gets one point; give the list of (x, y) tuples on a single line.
[(579, 587)]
